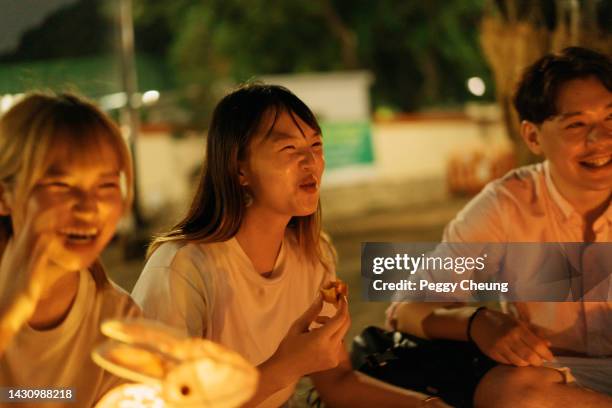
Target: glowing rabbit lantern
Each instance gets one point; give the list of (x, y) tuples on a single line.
[(170, 369)]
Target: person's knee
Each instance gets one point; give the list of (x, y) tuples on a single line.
[(516, 386)]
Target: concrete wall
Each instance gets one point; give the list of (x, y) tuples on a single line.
[(409, 168), (164, 168), (334, 96)]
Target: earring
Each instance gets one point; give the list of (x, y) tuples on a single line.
[(248, 198)]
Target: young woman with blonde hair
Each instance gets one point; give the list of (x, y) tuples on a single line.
[(65, 181)]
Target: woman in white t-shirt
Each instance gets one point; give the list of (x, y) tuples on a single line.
[(245, 265), (62, 162)]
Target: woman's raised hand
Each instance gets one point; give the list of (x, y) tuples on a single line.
[(22, 272), (308, 350)]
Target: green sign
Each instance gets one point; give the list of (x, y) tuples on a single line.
[(347, 143)]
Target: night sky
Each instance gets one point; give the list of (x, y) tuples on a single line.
[(16, 16)]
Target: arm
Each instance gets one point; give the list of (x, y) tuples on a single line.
[(477, 222), (303, 351), (274, 375), (430, 320), (498, 335), (343, 387), (23, 272)]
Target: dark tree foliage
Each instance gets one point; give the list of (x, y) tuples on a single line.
[(420, 53)]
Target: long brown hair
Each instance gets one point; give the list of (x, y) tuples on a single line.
[(42, 125), (219, 204)]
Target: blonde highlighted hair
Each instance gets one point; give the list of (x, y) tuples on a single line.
[(42, 125)]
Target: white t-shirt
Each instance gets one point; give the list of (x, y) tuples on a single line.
[(213, 291), (61, 357), (525, 206)]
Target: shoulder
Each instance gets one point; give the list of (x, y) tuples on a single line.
[(521, 185), (486, 216), (169, 253), (325, 251), (184, 256), (177, 281), (117, 302), (329, 256)]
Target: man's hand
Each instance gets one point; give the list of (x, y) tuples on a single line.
[(508, 340)]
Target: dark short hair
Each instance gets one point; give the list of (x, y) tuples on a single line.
[(535, 99)]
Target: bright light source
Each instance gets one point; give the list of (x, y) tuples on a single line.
[(113, 101), (5, 103), (170, 369), (150, 97), (476, 86), (133, 396)]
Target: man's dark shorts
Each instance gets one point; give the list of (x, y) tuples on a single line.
[(448, 369)]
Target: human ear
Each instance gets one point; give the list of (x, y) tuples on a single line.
[(531, 134), (5, 200), (243, 174)]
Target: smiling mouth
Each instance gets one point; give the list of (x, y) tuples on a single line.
[(596, 163), (310, 185), (80, 235)]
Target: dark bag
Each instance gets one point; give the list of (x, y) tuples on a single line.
[(448, 369)]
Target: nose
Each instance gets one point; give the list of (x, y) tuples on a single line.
[(308, 159), (599, 131), (85, 204)]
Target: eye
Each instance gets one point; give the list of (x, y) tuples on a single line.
[(575, 125), (317, 144), (109, 184), (56, 184), (288, 148)]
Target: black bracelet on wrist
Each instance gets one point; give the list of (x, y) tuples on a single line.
[(470, 321)]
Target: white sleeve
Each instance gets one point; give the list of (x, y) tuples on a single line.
[(176, 295)]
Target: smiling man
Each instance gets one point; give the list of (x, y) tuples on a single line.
[(541, 354)]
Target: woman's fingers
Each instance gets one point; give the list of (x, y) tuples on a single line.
[(45, 244), (337, 324), (303, 322), (338, 336), (322, 319)]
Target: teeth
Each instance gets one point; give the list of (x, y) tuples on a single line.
[(80, 232), (597, 162)]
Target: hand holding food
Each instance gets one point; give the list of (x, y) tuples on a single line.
[(309, 350), (333, 291)]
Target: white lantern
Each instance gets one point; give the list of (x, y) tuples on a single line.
[(170, 369)]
